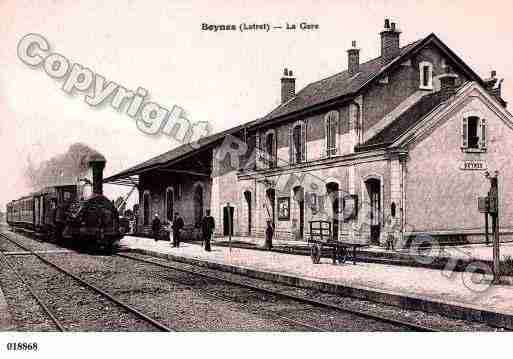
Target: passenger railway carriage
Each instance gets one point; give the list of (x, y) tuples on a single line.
[(70, 213)]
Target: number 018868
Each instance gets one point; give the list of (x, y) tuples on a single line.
[(22, 347)]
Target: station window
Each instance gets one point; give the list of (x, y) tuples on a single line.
[(473, 134), (297, 141), (426, 75), (270, 148), (331, 125)]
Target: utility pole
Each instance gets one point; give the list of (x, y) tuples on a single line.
[(229, 225), (493, 196)]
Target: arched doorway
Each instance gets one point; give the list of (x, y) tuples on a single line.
[(333, 191), (247, 196), (373, 187), (146, 208), (299, 197), (198, 205), (271, 201), (170, 203), (228, 220)]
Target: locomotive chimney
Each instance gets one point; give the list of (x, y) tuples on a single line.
[(97, 165)]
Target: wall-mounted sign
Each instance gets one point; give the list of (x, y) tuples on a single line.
[(483, 204), (350, 206), (473, 165), (284, 208)]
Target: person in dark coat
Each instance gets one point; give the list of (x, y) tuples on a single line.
[(269, 233), (155, 227), (207, 227), (177, 226)]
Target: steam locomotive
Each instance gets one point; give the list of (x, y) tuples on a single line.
[(74, 213)]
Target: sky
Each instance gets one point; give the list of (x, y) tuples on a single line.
[(224, 78)]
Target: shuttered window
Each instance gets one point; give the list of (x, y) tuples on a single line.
[(473, 133), (270, 149), (297, 142), (331, 129)]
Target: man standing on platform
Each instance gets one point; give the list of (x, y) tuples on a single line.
[(269, 233), (155, 227), (177, 226), (207, 227)]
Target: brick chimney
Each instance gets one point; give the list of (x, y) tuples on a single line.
[(288, 86), (353, 59), (389, 41), (447, 83), (493, 85)]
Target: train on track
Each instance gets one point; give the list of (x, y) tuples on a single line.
[(75, 212)]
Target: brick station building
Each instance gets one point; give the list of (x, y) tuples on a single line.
[(394, 146)]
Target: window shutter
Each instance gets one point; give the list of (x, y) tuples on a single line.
[(324, 148), (464, 133), (336, 134), (291, 146), (257, 150), (263, 151), (303, 141), (275, 150), (483, 138)]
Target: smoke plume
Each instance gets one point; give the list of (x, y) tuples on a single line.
[(63, 169)]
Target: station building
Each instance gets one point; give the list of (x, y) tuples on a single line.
[(394, 146)]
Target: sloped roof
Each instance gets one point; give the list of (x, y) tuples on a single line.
[(342, 84), (173, 155), (408, 119), (335, 86)]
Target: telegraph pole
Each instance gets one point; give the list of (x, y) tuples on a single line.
[(493, 196)]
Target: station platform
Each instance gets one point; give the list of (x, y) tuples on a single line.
[(439, 291), (457, 257), (467, 251)]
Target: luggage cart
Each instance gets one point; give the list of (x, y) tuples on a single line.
[(321, 236)]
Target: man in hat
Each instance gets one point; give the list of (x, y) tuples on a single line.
[(207, 228), (177, 226), (155, 227), (269, 233)]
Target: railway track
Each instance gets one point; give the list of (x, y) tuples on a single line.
[(92, 287), (289, 296)]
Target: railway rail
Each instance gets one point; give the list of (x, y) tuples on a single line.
[(290, 296), (82, 282)]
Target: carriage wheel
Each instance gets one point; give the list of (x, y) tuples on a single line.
[(342, 254), (315, 253)]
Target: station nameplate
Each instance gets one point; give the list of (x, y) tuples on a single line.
[(473, 165)]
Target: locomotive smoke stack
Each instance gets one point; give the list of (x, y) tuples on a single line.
[(97, 165)]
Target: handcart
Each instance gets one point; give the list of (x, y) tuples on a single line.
[(321, 236)]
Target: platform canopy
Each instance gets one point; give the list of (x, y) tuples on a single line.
[(182, 159)]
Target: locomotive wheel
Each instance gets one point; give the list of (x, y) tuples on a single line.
[(342, 254), (315, 253)]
